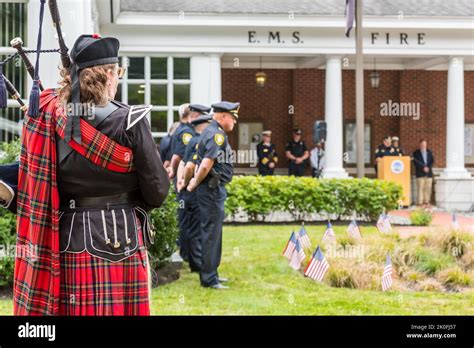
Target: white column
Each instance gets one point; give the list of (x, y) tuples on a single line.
[(76, 19), (455, 121), (206, 79), (333, 117)]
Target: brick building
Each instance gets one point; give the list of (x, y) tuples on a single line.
[(208, 50)]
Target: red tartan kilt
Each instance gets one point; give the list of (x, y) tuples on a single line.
[(94, 286)]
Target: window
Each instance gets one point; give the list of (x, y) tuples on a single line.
[(163, 82), (12, 24), (350, 143)]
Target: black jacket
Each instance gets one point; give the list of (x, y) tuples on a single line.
[(420, 163)]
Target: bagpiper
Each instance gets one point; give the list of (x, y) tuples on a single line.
[(87, 179)]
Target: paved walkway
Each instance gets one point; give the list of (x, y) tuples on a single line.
[(441, 221)]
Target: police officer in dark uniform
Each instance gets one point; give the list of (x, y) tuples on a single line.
[(191, 207), (297, 153), (165, 145), (397, 150), (267, 156), (180, 140), (215, 162), (9, 186), (384, 149)]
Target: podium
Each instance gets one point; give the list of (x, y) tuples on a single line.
[(397, 169)]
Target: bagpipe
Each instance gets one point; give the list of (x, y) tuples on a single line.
[(17, 43), (9, 172)]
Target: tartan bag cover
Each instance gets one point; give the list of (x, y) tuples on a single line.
[(36, 287)]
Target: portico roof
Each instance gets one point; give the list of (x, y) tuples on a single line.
[(421, 8)]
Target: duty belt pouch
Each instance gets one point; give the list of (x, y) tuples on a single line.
[(214, 180), (108, 234), (147, 227)]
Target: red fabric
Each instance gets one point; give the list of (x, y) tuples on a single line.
[(94, 286), (36, 285)]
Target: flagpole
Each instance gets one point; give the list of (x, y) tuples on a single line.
[(359, 92)]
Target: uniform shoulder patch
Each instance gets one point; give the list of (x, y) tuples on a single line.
[(186, 137), (136, 113), (219, 138)]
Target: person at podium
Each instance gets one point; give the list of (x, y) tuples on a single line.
[(397, 150), (384, 149)]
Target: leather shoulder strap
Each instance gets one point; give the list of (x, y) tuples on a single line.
[(101, 113)]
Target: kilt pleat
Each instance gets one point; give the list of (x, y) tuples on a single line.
[(94, 286)]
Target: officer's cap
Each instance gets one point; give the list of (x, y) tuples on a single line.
[(395, 139), (297, 131), (201, 119), (267, 133), (225, 106), (92, 50), (199, 108)]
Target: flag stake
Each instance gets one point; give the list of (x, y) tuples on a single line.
[(359, 92)]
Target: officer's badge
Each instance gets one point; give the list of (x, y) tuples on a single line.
[(219, 139), (195, 157), (186, 138)]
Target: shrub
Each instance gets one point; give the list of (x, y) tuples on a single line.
[(366, 275), (429, 284), (258, 196), (454, 276), (431, 262), (415, 277), (7, 247), (421, 217), (164, 220), (467, 260), (456, 243), (340, 278), (404, 258), (346, 241), (9, 153)]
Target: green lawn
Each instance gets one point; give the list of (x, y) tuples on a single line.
[(262, 283)]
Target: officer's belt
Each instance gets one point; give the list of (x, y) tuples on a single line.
[(104, 202)]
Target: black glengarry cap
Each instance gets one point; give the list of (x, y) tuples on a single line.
[(88, 51)]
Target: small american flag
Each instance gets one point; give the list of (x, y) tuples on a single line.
[(353, 230), (304, 238), (454, 222), (383, 224), (317, 266), (290, 246), (387, 275), (329, 235), (298, 256)]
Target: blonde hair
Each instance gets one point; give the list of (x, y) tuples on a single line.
[(93, 85)]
